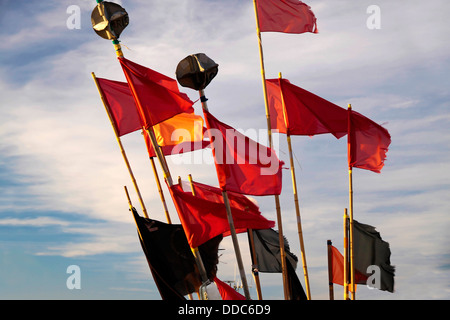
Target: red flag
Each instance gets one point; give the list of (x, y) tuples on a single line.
[(337, 264), (121, 105), (238, 201), (368, 143), (157, 96), (288, 16), (303, 112), (204, 216), (243, 165), (227, 292)]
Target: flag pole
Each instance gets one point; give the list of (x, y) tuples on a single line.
[(119, 141), (161, 194), (296, 202), (255, 271), (330, 270), (346, 269), (269, 133), (350, 184), (169, 181), (234, 238), (252, 246)]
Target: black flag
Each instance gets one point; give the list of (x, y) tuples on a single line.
[(170, 258), (267, 250), (371, 250)]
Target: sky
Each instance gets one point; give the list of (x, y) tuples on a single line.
[(62, 201)]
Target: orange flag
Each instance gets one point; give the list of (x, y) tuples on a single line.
[(180, 128), (338, 269)]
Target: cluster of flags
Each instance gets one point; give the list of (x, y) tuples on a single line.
[(151, 102)]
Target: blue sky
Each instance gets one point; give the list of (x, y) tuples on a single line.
[(62, 175)]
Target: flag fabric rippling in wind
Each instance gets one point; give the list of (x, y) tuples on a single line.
[(121, 105), (268, 259), (242, 164), (337, 264), (287, 16), (157, 96), (368, 143), (170, 258), (371, 250), (295, 111), (204, 215)]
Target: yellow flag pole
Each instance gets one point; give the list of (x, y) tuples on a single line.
[(234, 238), (350, 184), (161, 194), (346, 274), (192, 184), (119, 141), (269, 133), (296, 202), (168, 179)]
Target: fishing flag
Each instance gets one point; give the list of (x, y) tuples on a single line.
[(368, 143), (156, 95), (181, 128), (296, 111), (267, 250), (179, 134), (170, 258), (337, 266), (204, 215), (238, 201), (268, 259), (370, 250), (121, 105), (288, 16), (227, 292), (243, 165)]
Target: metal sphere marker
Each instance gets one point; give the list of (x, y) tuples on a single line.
[(196, 71), (109, 20)]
